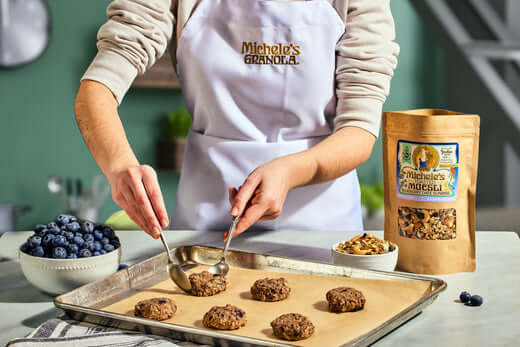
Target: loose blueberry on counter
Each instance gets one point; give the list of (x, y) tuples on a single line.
[(108, 247), (73, 248), (34, 241), (476, 300), (38, 252), (87, 227), (78, 240), (84, 253), (59, 253), (122, 266), (465, 296), (73, 227), (88, 238), (59, 241)]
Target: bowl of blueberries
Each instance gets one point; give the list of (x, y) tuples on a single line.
[(68, 252)]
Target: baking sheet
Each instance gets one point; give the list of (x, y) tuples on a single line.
[(384, 300)]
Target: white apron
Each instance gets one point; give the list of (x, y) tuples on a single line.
[(258, 78)]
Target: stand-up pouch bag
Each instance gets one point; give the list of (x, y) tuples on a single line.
[(430, 160)]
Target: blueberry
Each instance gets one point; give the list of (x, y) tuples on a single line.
[(88, 237), (39, 227), (98, 235), (59, 241), (78, 240), (41, 233), (73, 227), (87, 227), (96, 253), (89, 245), (99, 227), (72, 256), (109, 232), (103, 251), (476, 300), (97, 246), (108, 247), (38, 252), (53, 230), (25, 248), (52, 225), (465, 296), (84, 253), (73, 248), (73, 219), (59, 253), (115, 243), (62, 219), (105, 240), (47, 239), (34, 241), (69, 235), (122, 266)]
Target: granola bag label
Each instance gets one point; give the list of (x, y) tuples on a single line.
[(427, 171), (430, 160)]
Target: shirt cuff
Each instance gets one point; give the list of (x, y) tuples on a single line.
[(364, 113), (113, 70)]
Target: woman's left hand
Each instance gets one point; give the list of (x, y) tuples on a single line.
[(262, 195)]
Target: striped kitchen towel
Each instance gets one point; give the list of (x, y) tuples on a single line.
[(69, 333)]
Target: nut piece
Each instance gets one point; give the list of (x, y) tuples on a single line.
[(156, 308), (270, 289), (365, 244), (427, 224), (206, 284), (227, 317), (345, 299), (292, 327)]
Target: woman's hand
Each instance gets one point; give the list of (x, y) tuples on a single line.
[(137, 191), (262, 195)]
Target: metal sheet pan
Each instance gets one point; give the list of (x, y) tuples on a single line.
[(84, 303)]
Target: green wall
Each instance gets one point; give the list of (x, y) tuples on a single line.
[(39, 136)]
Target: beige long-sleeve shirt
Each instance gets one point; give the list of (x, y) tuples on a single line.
[(138, 32)]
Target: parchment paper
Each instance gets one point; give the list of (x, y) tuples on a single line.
[(384, 299)]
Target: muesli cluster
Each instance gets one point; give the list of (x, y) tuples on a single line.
[(428, 224), (365, 244)]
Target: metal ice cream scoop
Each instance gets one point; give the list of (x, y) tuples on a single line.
[(222, 268), (176, 273)]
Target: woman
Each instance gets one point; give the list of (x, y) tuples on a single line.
[(286, 100)]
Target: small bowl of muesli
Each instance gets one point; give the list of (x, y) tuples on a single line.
[(365, 251)]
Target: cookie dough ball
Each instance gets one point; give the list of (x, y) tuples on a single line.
[(156, 309), (292, 327), (270, 289), (227, 317), (206, 284), (345, 299)]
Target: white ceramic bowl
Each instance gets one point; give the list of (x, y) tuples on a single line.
[(384, 262), (58, 276)]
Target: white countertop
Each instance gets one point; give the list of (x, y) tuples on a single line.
[(445, 322)]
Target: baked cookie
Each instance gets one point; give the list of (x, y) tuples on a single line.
[(270, 289), (345, 299), (292, 327), (156, 308), (206, 284), (227, 317)]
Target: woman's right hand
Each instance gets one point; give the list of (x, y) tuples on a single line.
[(136, 189)]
